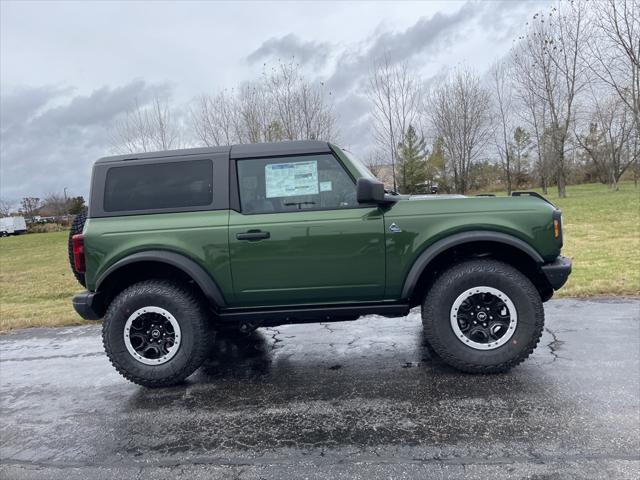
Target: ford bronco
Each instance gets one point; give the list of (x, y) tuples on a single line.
[(179, 244)]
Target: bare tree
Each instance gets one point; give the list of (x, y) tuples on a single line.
[(459, 112), (533, 112), (146, 128), (29, 206), (216, 120), (301, 108), (547, 61), (57, 204), (281, 105), (614, 50), (396, 97), (503, 105), (5, 208), (258, 122), (375, 162), (611, 141)]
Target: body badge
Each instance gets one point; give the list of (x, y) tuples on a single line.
[(393, 228)]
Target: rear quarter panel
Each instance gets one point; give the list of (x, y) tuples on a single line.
[(201, 236)]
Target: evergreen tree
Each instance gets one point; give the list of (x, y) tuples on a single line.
[(412, 163), (521, 145), (76, 205), (436, 175)]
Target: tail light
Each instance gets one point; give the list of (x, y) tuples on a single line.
[(77, 242)]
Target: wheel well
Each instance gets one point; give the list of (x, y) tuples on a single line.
[(131, 273), (500, 251)]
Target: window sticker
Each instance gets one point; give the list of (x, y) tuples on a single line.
[(326, 186), (291, 179)]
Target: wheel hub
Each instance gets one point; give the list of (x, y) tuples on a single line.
[(483, 318), (152, 335)]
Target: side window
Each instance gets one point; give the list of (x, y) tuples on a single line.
[(286, 184), (159, 186)]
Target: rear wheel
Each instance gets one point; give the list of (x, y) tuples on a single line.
[(155, 333), (483, 316)]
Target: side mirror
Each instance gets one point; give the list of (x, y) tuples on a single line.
[(370, 191)]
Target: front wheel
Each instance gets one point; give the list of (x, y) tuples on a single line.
[(155, 333), (483, 316)]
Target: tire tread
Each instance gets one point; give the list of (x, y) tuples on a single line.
[(454, 275), (160, 287)]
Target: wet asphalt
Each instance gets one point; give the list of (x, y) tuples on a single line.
[(362, 399)]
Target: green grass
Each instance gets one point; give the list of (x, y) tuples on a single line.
[(601, 232), (602, 236), (36, 283)]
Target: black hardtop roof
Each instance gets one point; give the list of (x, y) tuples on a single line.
[(235, 151)]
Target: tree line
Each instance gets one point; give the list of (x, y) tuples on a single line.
[(561, 107), (55, 206), (280, 105)]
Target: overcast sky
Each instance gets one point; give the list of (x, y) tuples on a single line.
[(67, 70)]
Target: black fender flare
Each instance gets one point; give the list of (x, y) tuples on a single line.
[(199, 275), (431, 252)]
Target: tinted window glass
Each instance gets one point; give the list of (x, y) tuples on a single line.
[(158, 186), (285, 184)]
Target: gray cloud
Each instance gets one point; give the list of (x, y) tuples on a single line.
[(50, 134), (353, 112), (100, 106), (503, 20), (18, 106), (291, 46), (425, 34), (413, 44), (427, 37), (46, 148)]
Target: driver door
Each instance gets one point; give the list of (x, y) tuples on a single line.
[(301, 237)]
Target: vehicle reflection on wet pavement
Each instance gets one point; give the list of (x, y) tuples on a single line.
[(362, 399)]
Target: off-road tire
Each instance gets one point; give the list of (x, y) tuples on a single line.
[(188, 310), (436, 311), (76, 227)]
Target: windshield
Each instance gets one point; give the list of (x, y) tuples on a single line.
[(361, 167)]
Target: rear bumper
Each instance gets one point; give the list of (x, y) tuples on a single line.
[(557, 272), (88, 306)]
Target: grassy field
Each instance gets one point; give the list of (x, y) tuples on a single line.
[(602, 236), (601, 231), (36, 283)]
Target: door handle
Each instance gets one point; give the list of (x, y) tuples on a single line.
[(253, 235)]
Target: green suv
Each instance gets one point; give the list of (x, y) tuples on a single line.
[(179, 244)]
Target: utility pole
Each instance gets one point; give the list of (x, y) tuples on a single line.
[(66, 206)]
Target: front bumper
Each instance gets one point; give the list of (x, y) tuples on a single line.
[(557, 272), (88, 306)]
